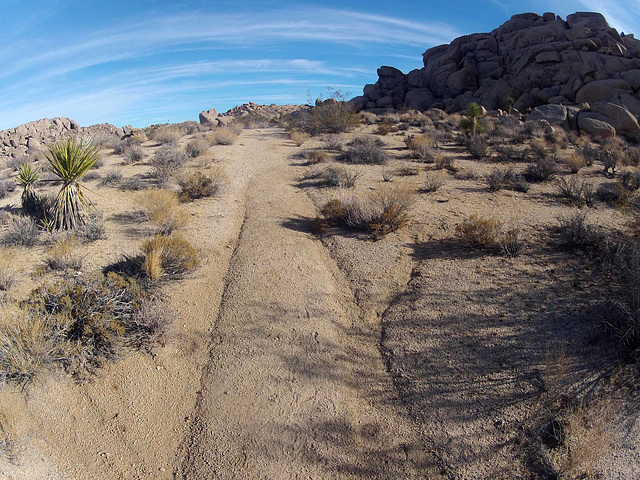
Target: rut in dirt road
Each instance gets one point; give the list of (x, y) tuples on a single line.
[(293, 386)]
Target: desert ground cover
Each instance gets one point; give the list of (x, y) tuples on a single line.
[(399, 296)]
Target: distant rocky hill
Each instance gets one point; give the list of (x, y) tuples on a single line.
[(530, 60), (33, 136), (251, 110)]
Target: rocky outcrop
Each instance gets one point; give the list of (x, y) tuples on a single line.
[(269, 113), (529, 61), (33, 136)]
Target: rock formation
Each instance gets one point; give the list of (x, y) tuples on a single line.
[(270, 113), (34, 136), (529, 61)]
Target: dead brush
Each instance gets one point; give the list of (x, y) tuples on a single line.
[(378, 213), (421, 147), (577, 192), (168, 135), (9, 271), (196, 147), (168, 255), (151, 326), (480, 232), (575, 162), (223, 136), (335, 176), (298, 138), (318, 156), (443, 161), (333, 141), (199, 185), (28, 345), (433, 181), (162, 209), (64, 256)]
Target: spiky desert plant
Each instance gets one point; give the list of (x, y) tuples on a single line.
[(27, 177), (70, 160), (470, 122)]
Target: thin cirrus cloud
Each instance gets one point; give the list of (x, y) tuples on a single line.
[(74, 75)]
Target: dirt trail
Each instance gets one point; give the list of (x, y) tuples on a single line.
[(295, 387)]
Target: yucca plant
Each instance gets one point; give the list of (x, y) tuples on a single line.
[(27, 177), (470, 122), (70, 160)]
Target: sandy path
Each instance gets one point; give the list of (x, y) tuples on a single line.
[(293, 386)]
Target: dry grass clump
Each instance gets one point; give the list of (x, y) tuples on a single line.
[(196, 147), (433, 181), (542, 170), (574, 232), (133, 154), (199, 185), (318, 156), (298, 137), (577, 192), (479, 231), (64, 255), (506, 179), (168, 135), (421, 147), (335, 176), (20, 230), (112, 177), (168, 160), (28, 344), (223, 136), (378, 213), (333, 141), (575, 162), (364, 150), (9, 272), (168, 255), (162, 209), (488, 233), (385, 127), (442, 161)]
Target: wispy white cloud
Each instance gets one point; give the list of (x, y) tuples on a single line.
[(622, 15)]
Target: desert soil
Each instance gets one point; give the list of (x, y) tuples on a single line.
[(335, 357)]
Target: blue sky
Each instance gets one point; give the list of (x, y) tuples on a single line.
[(154, 61)]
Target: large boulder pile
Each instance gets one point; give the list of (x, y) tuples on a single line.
[(34, 136), (529, 61)]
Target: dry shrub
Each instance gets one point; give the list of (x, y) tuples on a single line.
[(574, 232), (112, 177), (433, 181), (168, 255), (333, 141), (480, 232), (9, 271), (407, 171), (196, 147), (20, 230), (63, 255), (443, 161), (512, 242), (584, 434), (168, 135), (478, 146), (364, 150), (133, 154), (575, 162), (577, 192), (162, 209), (200, 185), (379, 212), (385, 127), (151, 326), (421, 147), (168, 160), (506, 179), (318, 156), (223, 136), (298, 137), (330, 116), (335, 176), (28, 344), (542, 170)]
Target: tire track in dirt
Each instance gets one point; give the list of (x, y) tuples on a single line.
[(294, 381)]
